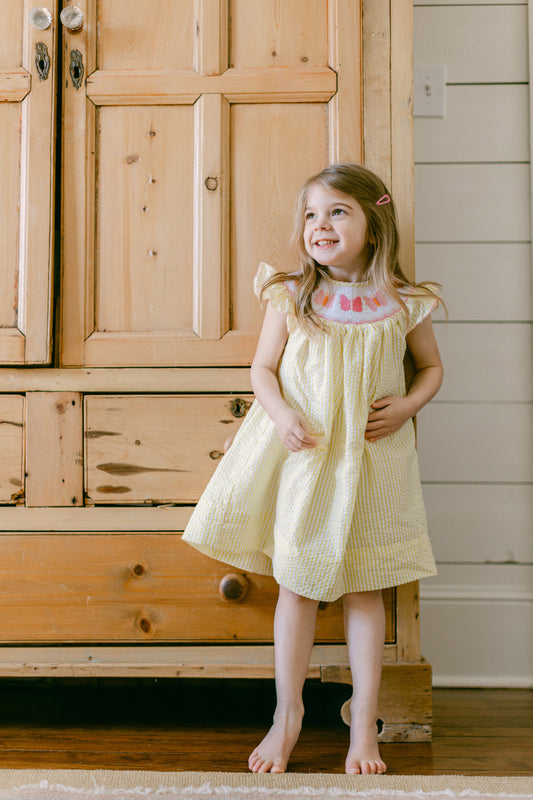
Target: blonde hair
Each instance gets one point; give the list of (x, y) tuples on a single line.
[(383, 268)]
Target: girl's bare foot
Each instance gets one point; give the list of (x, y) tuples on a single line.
[(272, 754), (363, 756)]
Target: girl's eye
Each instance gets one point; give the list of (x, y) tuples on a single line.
[(309, 215), (337, 211)]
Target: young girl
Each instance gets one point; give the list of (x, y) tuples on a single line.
[(320, 487)]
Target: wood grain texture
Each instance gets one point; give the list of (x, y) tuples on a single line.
[(170, 87), (275, 131), (346, 58), (27, 193), (272, 33), (11, 33), (143, 279), (54, 449), (10, 140), (37, 198), (135, 587), (133, 380), (154, 37), (402, 144), (188, 725), (211, 258), (328, 662), (155, 449), (14, 84), (377, 88), (12, 448), (78, 157), (211, 40)]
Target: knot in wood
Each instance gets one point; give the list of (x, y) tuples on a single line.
[(145, 625)]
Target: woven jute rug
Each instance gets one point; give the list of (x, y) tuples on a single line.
[(24, 784)]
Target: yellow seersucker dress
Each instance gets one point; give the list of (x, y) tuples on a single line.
[(347, 516)]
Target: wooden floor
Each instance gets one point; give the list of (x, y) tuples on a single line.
[(213, 725)]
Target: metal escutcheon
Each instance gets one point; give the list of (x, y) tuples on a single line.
[(238, 407), (76, 68), (40, 18), (42, 60), (72, 18)]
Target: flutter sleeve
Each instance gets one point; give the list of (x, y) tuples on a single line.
[(279, 294), (419, 307)]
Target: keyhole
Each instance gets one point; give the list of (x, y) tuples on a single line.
[(76, 72), (41, 65)]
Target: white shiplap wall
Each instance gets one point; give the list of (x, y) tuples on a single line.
[(473, 232)]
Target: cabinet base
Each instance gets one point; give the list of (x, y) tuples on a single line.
[(404, 703)]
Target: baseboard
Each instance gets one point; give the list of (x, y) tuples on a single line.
[(482, 682)]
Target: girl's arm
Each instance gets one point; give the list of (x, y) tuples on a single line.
[(393, 412), (290, 425)]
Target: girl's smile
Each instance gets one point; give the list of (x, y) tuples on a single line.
[(335, 233)]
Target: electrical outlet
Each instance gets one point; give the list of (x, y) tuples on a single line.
[(429, 86)]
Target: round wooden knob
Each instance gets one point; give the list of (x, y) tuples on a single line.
[(233, 586)]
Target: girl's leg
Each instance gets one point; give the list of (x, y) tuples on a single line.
[(364, 626), (294, 633)]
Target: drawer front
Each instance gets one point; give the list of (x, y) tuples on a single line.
[(11, 448), (156, 449), (100, 587)]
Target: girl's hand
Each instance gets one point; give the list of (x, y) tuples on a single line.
[(391, 413), (292, 431)]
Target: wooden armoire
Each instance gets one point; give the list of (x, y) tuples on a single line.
[(151, 153)]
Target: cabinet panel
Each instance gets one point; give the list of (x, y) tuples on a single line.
[(27, 126), (11, 33), (11, 448), (147, 448), (140, 35), (190, 211), (134, 587), (10, 142), (261, 220), (144, 240), (271, 33)]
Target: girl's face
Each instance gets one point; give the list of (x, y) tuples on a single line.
[(335, 233)]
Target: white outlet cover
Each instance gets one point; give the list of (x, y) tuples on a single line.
[(429, 87)]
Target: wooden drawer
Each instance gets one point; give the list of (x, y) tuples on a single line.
[(113, 587), (11, 447), (154, 448)]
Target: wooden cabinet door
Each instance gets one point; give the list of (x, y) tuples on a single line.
[(27, 138), (182, 155)]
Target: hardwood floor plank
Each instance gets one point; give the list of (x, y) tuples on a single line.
[(214, 725)]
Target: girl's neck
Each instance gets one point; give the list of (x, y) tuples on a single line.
[(347, 276)]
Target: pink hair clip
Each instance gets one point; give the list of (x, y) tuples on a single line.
[(383, 200)]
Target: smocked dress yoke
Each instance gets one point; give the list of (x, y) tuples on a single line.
[(348, 515)]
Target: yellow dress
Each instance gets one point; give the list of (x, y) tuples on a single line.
[(348, 515)]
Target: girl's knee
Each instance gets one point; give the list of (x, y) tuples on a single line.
[(288, 596), (372, 598)]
